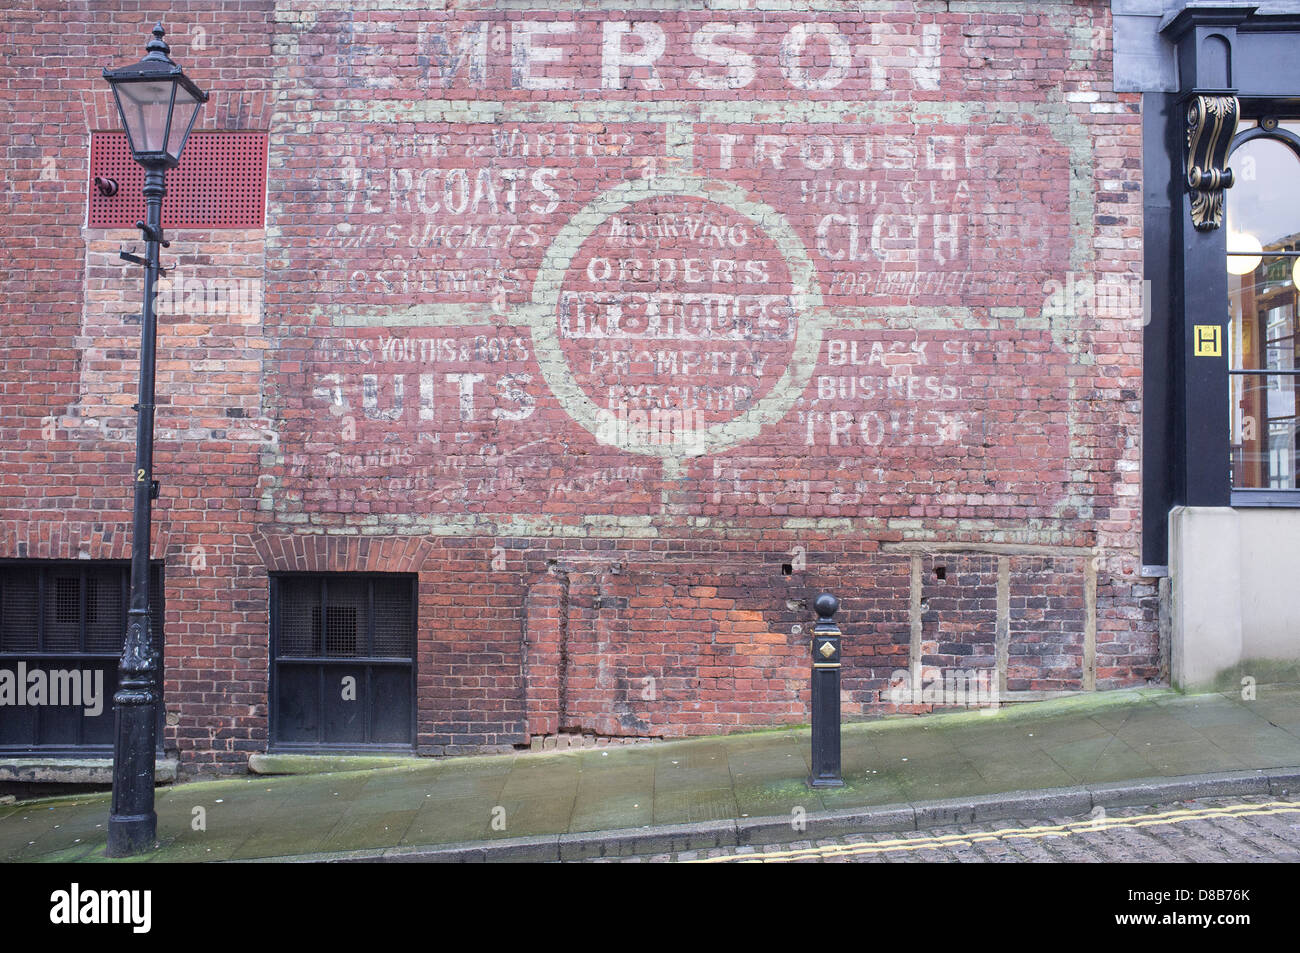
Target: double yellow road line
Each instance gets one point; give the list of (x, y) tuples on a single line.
[(1090, 825)]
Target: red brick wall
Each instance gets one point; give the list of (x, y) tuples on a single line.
[(887, 261), (72, 309)]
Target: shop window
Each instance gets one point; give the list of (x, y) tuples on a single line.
[(1263, 240), (62, 625), (343, 660)]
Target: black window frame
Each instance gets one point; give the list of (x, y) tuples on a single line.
[(325, 660), (1268, 126), (46, 569)]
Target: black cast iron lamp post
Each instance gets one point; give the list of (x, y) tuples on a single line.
[(158, 104)]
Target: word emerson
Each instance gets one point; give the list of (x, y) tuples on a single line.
[(57, 688), (76, 906), (548, 54)]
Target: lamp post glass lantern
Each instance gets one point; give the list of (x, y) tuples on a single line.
[(158, 104)]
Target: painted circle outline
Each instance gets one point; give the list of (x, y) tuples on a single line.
[(806, 300)]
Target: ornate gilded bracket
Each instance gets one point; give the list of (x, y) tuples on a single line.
[(1211, 124)]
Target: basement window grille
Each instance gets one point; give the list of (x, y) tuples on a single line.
[(343, 661), (65, 622)]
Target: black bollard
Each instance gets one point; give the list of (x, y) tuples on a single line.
[(826, 696)]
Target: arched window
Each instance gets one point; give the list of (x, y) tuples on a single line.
[(1263, 226)]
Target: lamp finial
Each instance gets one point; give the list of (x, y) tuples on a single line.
[(158, 44)]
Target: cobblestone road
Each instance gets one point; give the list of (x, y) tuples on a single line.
[(1213, 830)]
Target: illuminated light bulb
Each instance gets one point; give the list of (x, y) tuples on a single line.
[(1295, 274), (1245, 244)]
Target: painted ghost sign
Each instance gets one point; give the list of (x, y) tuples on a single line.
[(671, 245)]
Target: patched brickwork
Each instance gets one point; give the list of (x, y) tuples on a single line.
[(628, 330)]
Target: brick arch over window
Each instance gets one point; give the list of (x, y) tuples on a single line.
[(20, 539), (320, 553)]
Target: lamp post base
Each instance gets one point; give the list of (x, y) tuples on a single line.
[(131, 834), (825, 783)]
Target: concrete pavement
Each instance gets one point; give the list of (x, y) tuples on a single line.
[(1144, 746)]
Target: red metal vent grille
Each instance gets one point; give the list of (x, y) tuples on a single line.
[(220, 183)]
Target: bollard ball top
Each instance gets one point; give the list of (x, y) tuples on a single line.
[(826, 605)]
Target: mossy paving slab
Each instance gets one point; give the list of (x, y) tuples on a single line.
[(932, 789), (706, 752), (548, 771), (687, 776), (1288, 721), (76, 853), (1260, 753), (225, 830), (873, 768), (315, 814), (18, 830), (947, 775), (613, 812), (752, 768), (862, 792), (451, 821), (1265, 733), (358, 830), (462, 785), (191, 846), (1078, 758), (378, 797), (634, 778), (1155, 725), (687, 807), (68, 832), (1112, 720), (925, 746), (1203, 753), (1018, 751), (617, 754), (242, 805), (326, 785), (450, 769), (551, 788), (777, 797), (305, 836), (1118, 762), (1029, 774), (912, 763), (534, 816), (1058, 731), (1220, 715)]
